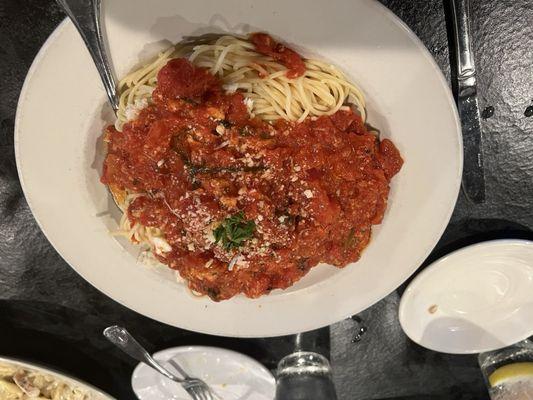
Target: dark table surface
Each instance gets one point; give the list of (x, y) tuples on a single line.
[(50, 314)]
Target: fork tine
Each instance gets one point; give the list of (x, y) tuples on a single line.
[(208, 394), (203, 395), (202, 391), (199, 391), (193, 393)]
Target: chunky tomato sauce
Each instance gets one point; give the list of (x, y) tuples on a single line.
[(264, 44), (313, 189)]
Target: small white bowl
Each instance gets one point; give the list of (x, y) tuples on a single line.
[(231, 375), (476, 299)]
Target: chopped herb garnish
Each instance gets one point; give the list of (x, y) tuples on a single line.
[(202, 169), (188, 100), (196, 184), (226, 124), (234, 231), (265, 135), (350, 240), (213, 293), (245, 131), (303, 264)]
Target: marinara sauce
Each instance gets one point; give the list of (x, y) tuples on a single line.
[(265, 44), (313, 189)]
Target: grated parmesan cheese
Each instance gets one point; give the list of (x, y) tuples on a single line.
[(132, 109), (249, 103), (161, 245), (209, 237), (233, 262), (221, 145), (220, 129), (231, 87)]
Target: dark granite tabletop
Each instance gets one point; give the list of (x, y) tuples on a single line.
[(51, 315)]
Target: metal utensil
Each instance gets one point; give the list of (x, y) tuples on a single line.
[(121, 338), (85, 15), (467, 104)]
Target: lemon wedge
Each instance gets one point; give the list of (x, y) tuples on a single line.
[(511, 372)]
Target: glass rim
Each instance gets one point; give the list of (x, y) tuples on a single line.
[(303, 362)]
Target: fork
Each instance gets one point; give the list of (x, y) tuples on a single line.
[(120, 337), (85, 15), (201, 388)]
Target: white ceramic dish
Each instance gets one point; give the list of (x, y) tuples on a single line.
[(231, 375), (95, 393), (62, 111), (476, 299)]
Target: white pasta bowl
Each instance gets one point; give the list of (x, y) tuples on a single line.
[(62, 111)]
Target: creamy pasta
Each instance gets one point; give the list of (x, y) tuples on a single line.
[(17, 383)]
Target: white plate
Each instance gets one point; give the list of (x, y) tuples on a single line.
[(476, 299), (231, 375), (95, 393), (62, 111)]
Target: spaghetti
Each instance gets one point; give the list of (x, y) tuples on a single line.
[(322, 89)]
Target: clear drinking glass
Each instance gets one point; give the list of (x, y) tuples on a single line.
[(508, 372), (304, 376)]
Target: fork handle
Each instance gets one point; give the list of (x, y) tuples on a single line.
[(85, 15), (121, 338)]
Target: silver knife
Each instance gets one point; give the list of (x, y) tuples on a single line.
[(473, 174)]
